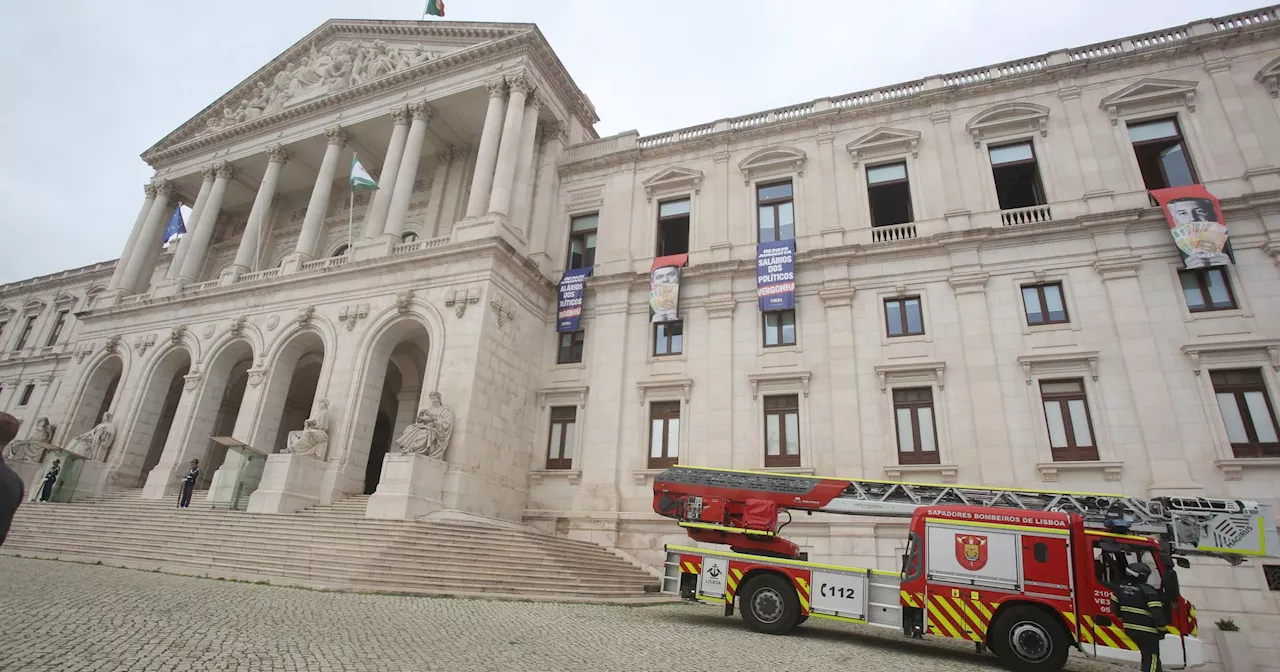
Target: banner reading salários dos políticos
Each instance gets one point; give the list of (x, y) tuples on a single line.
[(569, 307), (776, 275)]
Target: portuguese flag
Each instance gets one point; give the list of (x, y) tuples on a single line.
[(434, 8)]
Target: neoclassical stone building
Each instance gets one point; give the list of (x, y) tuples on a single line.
[(984, 291)]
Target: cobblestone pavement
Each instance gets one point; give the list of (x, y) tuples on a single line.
[(65, 617)]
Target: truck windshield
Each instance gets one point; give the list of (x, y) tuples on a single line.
[(1109, 562)]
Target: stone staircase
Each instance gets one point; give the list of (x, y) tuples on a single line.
[(330, 547)]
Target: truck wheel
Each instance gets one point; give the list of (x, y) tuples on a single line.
[(769, 604), (1029, 640)]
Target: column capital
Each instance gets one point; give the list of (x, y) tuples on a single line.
[(162, 187), (497, 89), (149, 189), (534, 98), (459, 151), (336, 135), (519, 82), (277, 154), (209, 172), (224, 170), (445, 154), (400, 115), (421, 110)]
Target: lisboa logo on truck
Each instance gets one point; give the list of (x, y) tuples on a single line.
[(971, 551)]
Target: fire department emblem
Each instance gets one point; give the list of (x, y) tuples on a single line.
[(971, 551)]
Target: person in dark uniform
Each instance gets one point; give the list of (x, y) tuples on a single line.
[(189, 484), (50, 477), (1142, 611)]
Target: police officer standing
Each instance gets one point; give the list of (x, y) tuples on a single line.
[(1142, 611)]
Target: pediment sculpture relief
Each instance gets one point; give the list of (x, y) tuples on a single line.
[(336, 67)]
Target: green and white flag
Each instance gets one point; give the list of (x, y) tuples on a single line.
[(360, 178)]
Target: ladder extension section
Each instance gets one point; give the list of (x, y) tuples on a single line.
[(1194, 524)]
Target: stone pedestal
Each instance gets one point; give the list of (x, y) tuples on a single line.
[(92, 481), (289, 483), (30, 473), (411, 486), (373, 248)]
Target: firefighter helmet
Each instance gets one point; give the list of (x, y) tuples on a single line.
[(1138, 571)]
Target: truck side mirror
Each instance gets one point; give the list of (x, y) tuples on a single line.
[(1183, 563), (1169, 585)]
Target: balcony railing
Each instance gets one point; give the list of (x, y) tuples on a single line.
[(329, 262), (1032, 215), (199, 287), (258, 275), (896, 232), (414, 246)]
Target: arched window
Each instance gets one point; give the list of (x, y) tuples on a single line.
[(409, 237), (341, 251)]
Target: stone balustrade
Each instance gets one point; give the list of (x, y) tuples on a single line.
[(1030, 215)]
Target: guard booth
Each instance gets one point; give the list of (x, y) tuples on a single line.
[(238, 476), (69, 472)]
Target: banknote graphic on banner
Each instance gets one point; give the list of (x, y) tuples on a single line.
[(664, 287), (776, 275), (1198, 227), (569, 307)]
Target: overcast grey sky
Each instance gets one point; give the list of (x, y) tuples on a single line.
[(90, 84)]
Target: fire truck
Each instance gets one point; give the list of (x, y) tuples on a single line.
[(1021, 573)]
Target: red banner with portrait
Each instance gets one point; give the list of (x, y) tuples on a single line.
[(1196, 222)]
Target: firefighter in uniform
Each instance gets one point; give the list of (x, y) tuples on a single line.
[(1141, 609)]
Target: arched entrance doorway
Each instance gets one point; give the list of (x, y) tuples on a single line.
[(397, 368), (301, 395), (152, 420), (99, 394)]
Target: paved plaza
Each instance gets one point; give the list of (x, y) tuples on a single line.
[(66, 617)]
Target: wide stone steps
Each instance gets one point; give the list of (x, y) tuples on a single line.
[(331, 547)]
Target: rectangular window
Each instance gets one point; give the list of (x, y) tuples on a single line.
[(668, 338), (779, 328), (664, 434), (560, 440), (570, 351), (58, 323), (1161, 153), (582, 241), (782, 431), (903, 316), (917, 431), (26, 395), (1017, 176), (1044, 304), (673, 227), (1066, 412), (27, 326), (776, 208), (889, 193), (1247, 412), (1207, 289)]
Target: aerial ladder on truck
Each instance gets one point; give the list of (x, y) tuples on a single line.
[(1021, 572)]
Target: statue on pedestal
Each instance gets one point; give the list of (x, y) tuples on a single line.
[(430, 434), (94, 444), (313, 438), (31, 449), (43, 430)]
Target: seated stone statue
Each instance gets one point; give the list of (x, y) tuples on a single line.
[(43, 430), (94, 444), (430, 434), (313, 439), (31, 449)]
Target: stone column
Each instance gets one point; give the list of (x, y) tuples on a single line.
[(184, 243), (993, 456), (142, 258), (482, 181), (522, 190), (718, 451), (436, 199), (251, 239), (377, 217), (318, 207), (198, 249), (547, 194), (837, 301), (118, 274), (1169, 459), (505, 170), (408, 172), (1246, 137)]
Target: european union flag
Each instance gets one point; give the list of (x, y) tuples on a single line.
[(176, 226)]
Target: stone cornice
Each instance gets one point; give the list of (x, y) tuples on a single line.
[(504, 40), (942, 90)]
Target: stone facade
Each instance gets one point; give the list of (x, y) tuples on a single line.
[(450, 285)]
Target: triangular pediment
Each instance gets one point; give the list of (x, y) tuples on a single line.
[(772, 160), (337, 59), (673, 179), (1150, 93), (1270, 75), (1008, 119), (5, 312), (883, 141), (64, 300)]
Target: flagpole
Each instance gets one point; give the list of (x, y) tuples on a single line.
[(351, 214)]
